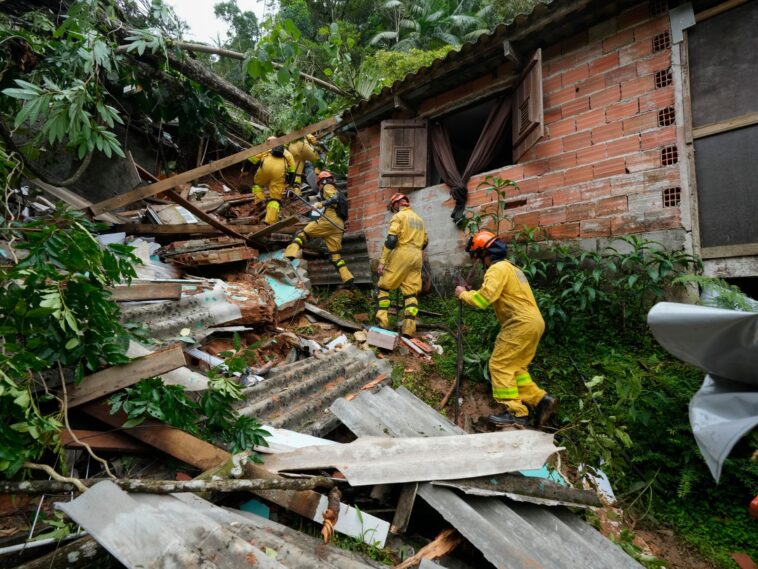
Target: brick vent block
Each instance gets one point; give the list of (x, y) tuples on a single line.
[(672, 197), (669, 155), (663, 78), (661, 42), (658, 7), (666, 117)]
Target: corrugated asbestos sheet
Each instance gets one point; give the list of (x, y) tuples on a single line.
[(297, 396), (384, 460), (354, 251), (183, 530), (509, 534)]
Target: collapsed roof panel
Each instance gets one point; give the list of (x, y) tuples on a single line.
[(498, 529)]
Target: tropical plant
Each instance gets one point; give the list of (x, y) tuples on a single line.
[(55, 313), (429, 24)]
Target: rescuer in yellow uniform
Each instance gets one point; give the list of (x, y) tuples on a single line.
[(330, 226), (400, 263), (276, 170), (506, 289), (302, 150)]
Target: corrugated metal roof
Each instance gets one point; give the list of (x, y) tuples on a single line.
[(183, 530), (544, 25), (297, 396), (508, 534), (321, 271)]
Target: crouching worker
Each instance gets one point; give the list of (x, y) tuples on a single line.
[(506, 289), (276, 170), (400, 264), (330, 226)]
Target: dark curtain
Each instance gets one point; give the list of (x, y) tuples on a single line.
[(482, 155)]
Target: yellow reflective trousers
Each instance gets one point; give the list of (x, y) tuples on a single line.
[(332, 239), (403, 271)]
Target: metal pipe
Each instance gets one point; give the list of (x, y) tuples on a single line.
[(39, 543)]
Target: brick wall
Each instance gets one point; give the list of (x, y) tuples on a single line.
[(608, 153)]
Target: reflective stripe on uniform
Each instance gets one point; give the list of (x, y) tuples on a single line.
[(523, 379), (479, 300), (384, 303), (505, 392), (411, 309)]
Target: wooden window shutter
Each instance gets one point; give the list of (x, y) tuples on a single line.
[(528, 115), (403, 152)]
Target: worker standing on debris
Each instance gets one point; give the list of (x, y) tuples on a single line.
[(276, 170), (506, 289), (400, 263), (330, 226), (303, 150)]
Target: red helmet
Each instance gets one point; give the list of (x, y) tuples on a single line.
[(479, 243), (324, 175), (397, 200)]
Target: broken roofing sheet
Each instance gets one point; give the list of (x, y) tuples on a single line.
[(183, 530), (297, 396), (513, 535), (724, 343), (383, 460)]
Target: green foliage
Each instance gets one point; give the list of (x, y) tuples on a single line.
[(491, 216), (54, 311), (429, 24), (210, 417), (720, 293), (391, 66)]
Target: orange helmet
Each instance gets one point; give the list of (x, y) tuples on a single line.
[(479, 243), (323, 176), (397, 200)]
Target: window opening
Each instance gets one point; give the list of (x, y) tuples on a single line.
[(666, 117), (663, 78), (672, 197), (669, 155), (464, 127), (661, 41)]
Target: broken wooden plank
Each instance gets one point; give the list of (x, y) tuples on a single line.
[(213, 460), (70, 198), (149, 291), (274, 227), (443, 544), (321, 313), (170, 440), (207, 218), (114, 378), (404, 508), (216, 256), (102, 441), (181, 230), (190, 175), (84, 552)]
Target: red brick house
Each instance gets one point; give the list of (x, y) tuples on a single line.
[(626, 118)]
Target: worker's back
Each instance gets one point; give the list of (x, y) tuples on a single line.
[(409, 228), (510, 294)]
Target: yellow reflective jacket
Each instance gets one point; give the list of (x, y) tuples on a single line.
[(272, 172), (410, 231), (506, 289), (302, 151), (328, 192), (258, 158)]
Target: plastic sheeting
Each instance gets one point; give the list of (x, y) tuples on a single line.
[(724, 343)]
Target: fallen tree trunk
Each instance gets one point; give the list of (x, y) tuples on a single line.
[(80, 553), (170, 486)]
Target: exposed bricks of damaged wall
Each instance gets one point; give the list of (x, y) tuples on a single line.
[(597, 171)]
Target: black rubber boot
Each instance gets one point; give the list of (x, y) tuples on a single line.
[(348, 285), (544, 411), (508, 419)]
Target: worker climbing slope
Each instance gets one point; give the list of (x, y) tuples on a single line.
[(276, 170), (400, 263), (330, 226), (303, 150), (506, 289)]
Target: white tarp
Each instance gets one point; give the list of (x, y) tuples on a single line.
[(724, 343)]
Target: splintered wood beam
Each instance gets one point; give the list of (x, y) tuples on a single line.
[(102, 441), (114, 378), (273, 228), (190, 175), (179, 229), (206, 217), (150, 291)]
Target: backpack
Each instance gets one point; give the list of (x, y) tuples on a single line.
[(278, 151), (341, 207)]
